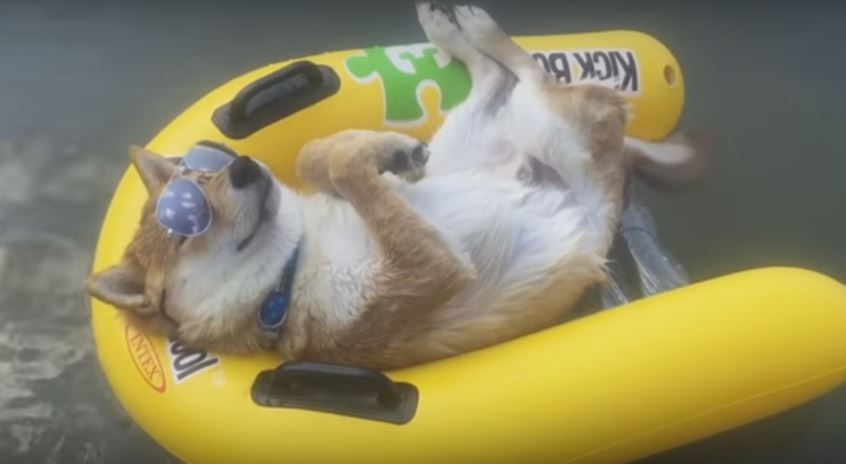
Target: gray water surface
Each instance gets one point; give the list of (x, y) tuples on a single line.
[(79, 81)]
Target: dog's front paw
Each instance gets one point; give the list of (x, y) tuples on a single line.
[(476, 24), (407, 161), (366, 153)]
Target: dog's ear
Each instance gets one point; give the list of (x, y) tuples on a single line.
[(121, 286), (679, 161), (154, 169)]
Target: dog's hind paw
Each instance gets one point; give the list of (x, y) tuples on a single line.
[(438, 24), (476, 24)]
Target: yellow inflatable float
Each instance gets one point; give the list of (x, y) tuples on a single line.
[(611, 387)]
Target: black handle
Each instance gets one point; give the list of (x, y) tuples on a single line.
[(346, 390), (289, 75), (274, 97), (291, 377)]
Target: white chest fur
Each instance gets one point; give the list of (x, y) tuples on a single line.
[(514, 235)]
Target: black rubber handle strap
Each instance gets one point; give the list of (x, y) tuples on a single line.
[(274, 97), (240, 104), (344, 390), (290, 377)]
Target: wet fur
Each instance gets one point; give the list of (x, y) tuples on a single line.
[(512, 221)]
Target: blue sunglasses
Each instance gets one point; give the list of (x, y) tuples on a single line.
[(182, 207)]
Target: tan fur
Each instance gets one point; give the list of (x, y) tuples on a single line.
[(152, 252), (408, 312), (417, 273), (425, 275), (600, 112)]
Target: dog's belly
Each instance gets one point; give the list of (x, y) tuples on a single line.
[(483, 212), (529, 246), (476, 143), (527, 243), (513, 233)]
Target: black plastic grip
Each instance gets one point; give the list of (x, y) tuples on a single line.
[(274, 97), (345, 390)]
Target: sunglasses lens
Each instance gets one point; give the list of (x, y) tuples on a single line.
[(206, 159), (183, 208)]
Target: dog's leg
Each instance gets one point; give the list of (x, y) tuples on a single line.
[(440, 28), (409, 244), (575, 132), (417, 271), (469, 139), (316, 157), (313, 162), (352, 161), (486, 35)]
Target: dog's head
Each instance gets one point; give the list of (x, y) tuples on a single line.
[(204, 288)]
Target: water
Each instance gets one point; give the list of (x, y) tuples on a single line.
[(78, 83)]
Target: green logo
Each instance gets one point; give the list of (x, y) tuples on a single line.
[(404, 72)]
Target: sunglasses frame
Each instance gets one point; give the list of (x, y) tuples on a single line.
[(183, 168)]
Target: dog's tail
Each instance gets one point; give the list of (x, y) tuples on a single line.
[(676, 162)]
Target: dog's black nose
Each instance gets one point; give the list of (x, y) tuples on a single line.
[(243, 172)]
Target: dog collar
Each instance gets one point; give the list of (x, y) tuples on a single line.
[(274, 310)]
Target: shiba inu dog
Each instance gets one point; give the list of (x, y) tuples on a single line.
[(407, 253)]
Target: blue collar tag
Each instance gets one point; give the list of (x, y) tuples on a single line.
[(274, 311)]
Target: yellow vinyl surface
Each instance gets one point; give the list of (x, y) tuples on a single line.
[(611, 387)]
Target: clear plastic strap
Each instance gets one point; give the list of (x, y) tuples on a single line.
[(655, 268)]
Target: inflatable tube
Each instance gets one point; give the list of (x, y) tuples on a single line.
[(611, 387)]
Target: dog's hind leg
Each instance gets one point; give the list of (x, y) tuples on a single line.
[(442, 31), (485, 34), (574, 132), (469, 138)]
